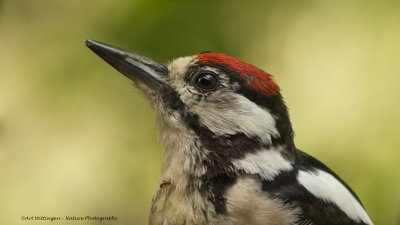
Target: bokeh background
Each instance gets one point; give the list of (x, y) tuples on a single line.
[(77, 139)]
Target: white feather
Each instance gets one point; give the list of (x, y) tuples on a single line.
[(326, 187), (266, 163)]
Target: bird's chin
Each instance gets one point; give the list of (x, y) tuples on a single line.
[(155, 95)]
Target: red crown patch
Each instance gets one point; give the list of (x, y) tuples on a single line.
[(254, 77)]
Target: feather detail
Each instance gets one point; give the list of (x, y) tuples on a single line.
[(254, 77)]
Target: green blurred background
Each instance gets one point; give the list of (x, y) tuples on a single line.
[(77, 139)]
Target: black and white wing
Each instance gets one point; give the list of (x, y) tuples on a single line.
[(323, 197)]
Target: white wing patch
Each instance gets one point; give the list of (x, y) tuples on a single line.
[(326, 187), (266, 163)]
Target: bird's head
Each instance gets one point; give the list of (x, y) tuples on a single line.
[(221, 101)]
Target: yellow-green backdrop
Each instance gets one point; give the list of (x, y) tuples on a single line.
[(77, 139)]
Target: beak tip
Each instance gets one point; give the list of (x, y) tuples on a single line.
[(90, 43)]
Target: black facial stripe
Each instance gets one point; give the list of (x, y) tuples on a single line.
[(274, 104), (222, 148), (225, 147)]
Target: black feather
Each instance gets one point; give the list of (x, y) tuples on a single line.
[(287, 188)]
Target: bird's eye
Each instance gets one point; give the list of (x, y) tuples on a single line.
[(206, 81)]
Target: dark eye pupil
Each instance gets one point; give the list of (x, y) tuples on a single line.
[(206, 81)]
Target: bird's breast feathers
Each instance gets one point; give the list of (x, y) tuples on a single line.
[(264, 192)]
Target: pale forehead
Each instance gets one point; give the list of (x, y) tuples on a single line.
[(179, 66)]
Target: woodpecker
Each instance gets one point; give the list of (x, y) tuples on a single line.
[(228, 152)]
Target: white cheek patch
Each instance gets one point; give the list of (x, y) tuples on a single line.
[(266, 163), (326, 187), (237, 115)]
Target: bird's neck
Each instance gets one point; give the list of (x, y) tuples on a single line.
[(179, 155), (185, 162)]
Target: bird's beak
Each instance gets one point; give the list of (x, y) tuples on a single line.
[(135, 67)]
